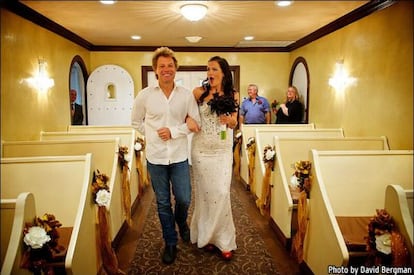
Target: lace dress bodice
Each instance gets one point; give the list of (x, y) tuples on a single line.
[(209, 136)]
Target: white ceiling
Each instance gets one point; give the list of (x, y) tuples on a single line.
[(160, 23)]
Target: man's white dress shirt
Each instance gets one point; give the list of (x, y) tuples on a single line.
[(153, 110)]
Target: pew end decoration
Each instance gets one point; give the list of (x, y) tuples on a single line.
[(251, 153), (236, 154), (263, 202), (41, 245), (385, 245), (301, 176), (101, 197), (123, 161), (139, 147), (302, 179)]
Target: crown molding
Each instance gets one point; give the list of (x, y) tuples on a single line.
[(24, 11)]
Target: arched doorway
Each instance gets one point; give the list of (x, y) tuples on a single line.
[(299, 77), (78, 76)]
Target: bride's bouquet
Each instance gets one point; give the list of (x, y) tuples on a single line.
[(223, 105)]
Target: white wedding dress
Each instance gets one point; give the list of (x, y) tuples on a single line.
[(212, 159)]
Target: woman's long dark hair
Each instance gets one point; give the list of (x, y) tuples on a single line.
[(227, 82)]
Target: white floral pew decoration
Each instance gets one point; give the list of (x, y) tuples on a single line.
[(251, 153), (101, 197), (41, 245), (139, 147), (385, 245), (263, 202), (126, 190), (301, 179)]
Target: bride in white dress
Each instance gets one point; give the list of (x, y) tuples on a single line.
[(212, 223)]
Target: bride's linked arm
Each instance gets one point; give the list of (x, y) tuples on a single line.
[(192, 124), (193, 119), (181, 128)]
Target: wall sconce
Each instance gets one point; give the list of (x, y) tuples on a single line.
[(41, 81), (194, 12), (340, 79)]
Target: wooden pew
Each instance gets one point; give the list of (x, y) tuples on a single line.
[(399, 204), (8, 207), (62, 187), (265, 137), (126, 137), (290, 150), (110, 128), (249, 130), (105, 159), (347, 184), (410, 199), (15, 213), (104, 128)]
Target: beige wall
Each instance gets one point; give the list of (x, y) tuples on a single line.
[(377, 50), (24, 111), (268, 70)]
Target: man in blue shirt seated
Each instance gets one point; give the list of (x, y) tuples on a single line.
[(255, 109)]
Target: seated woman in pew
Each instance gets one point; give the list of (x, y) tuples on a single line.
[(292, 110)]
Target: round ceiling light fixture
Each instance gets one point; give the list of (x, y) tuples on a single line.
[(136, 37), (284, 3), (107, 2), (194, 12), (193, 39)]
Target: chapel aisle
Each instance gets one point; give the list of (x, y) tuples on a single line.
[(278, 260)]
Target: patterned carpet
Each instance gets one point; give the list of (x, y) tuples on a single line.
[(251, 256)]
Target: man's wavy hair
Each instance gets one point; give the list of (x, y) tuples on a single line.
[(165, 52)]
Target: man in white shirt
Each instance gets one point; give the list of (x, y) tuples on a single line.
[(159, 112)]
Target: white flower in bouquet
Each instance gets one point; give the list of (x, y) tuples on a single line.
[(270, 154), (137, 146), (383, 243), (102, 197), (36, 237), (294, 181)]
